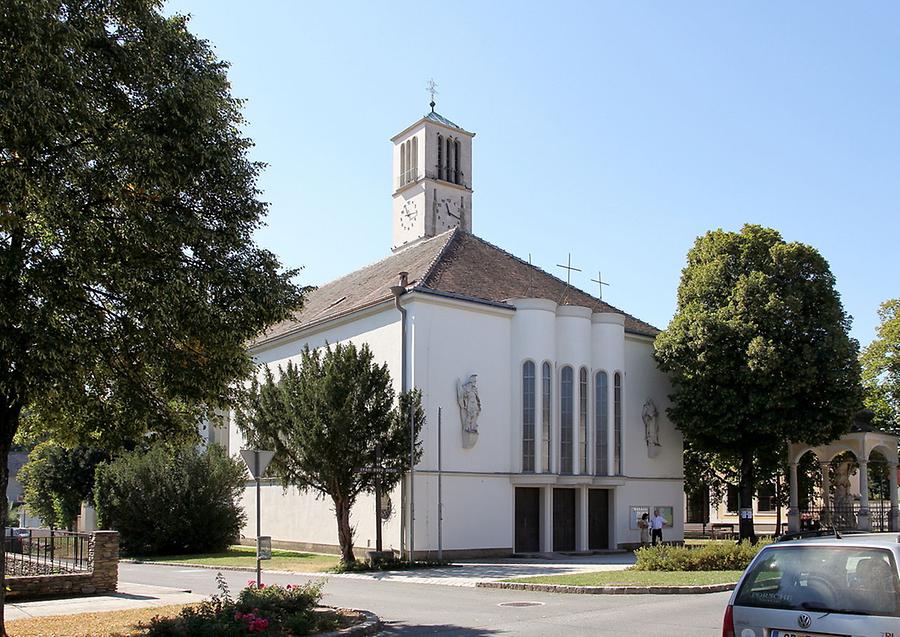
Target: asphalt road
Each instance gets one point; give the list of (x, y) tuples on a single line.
[(430, 609)]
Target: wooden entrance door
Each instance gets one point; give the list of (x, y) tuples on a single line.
[(563, 519), (598, 519), (528, 520)]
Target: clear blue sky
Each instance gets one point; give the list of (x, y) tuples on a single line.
[(614, 131)]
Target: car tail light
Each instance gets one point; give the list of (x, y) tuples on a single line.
[(728, 622)]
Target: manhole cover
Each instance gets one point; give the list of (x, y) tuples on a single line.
[(520, 604)]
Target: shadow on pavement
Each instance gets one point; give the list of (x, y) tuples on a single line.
[(449, 630)]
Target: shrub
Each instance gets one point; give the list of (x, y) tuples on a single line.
[(714, 556), (172, 500), (258, 610)]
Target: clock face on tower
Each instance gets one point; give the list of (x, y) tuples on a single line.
[(408, 215), (449, 214)]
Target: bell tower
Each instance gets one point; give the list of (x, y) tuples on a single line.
[(432, 179)]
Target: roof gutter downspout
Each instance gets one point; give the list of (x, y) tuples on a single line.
[(398, 291)]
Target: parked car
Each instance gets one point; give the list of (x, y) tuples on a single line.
[(822, 586)]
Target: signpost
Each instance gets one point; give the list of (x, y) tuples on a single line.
[(379, 470), (257, 461)]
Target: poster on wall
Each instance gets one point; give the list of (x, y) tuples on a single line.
[(636, 513), (668, 514)]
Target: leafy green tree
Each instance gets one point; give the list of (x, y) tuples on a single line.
[(128, 272), (172, 500), (881, 369), (324, 417), (57, 480), (758, 351)]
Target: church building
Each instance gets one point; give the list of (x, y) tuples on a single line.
[(554, 435)]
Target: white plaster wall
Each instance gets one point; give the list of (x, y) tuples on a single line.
[(449, 342), (644, 381), (301, 517), (650, 493)]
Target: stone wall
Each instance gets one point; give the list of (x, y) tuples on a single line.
[(102, 578)]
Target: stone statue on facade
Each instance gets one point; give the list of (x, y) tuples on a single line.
[(469, 409), (650, 416)]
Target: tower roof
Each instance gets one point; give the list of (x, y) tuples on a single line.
[(440, 119), (454, 263)]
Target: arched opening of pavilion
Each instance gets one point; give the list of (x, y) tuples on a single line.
[(858, 483)]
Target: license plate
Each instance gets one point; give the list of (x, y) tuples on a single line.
[(790, 633)]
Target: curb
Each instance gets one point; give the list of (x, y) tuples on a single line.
[(609, 590), (211, 567), (370, 625)]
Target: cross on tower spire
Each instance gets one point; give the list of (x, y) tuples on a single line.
[(431, 87)]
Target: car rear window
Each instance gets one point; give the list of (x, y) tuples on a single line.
[(858, 581)]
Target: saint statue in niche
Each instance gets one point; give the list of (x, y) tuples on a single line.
[(650, 416), (469, 409)]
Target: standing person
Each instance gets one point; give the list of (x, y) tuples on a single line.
[(644, 526), (656, 527)]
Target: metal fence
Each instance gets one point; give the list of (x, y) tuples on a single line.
[(846, 517), (46, 552)]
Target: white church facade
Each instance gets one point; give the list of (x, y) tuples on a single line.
[(554, 434)]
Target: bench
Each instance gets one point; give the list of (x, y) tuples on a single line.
[(722, 530)]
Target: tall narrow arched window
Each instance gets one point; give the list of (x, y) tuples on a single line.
[(566, 407), (440, 148), (582, 419), (449, 159), (528, 414), (402, 164), (414, 160), (617, 423), (546, 384), (601, 424), (458, 173)]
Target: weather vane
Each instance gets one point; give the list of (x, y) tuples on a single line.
[(431, 87), (600, 282)]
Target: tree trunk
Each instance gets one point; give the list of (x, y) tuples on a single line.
[(745, 503), (777, 504), (9, 422), (345, 533)]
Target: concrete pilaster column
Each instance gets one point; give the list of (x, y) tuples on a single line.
[(863, 523), (581, 538), (547, 519), (794, 504), (894, 517)]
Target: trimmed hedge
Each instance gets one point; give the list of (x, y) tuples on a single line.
[(714, 556)]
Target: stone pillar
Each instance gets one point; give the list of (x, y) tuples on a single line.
[(894, 516), (547, 519), (794, 504), (863, 523), (825, 517), (581, 520), (104, 556)]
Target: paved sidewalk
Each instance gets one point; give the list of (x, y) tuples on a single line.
[(129, 596)]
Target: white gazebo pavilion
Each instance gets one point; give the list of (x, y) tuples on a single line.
[(862, 441)]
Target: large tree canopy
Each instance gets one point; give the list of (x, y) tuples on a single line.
[(758, 350), (129, 277), (324, 418), (881, 369)]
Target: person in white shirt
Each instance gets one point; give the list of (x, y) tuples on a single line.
[(656, 527)]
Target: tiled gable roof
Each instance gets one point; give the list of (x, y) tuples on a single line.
[(454, 262)]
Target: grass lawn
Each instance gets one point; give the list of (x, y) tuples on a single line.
[(246, 556), (635, 578), (118, 623)]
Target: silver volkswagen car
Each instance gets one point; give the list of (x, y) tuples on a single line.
[(828, 586)]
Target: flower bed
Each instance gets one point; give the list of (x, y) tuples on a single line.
[(258, 610)]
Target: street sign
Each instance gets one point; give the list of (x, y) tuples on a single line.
[(264, 547), (257, 461)]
